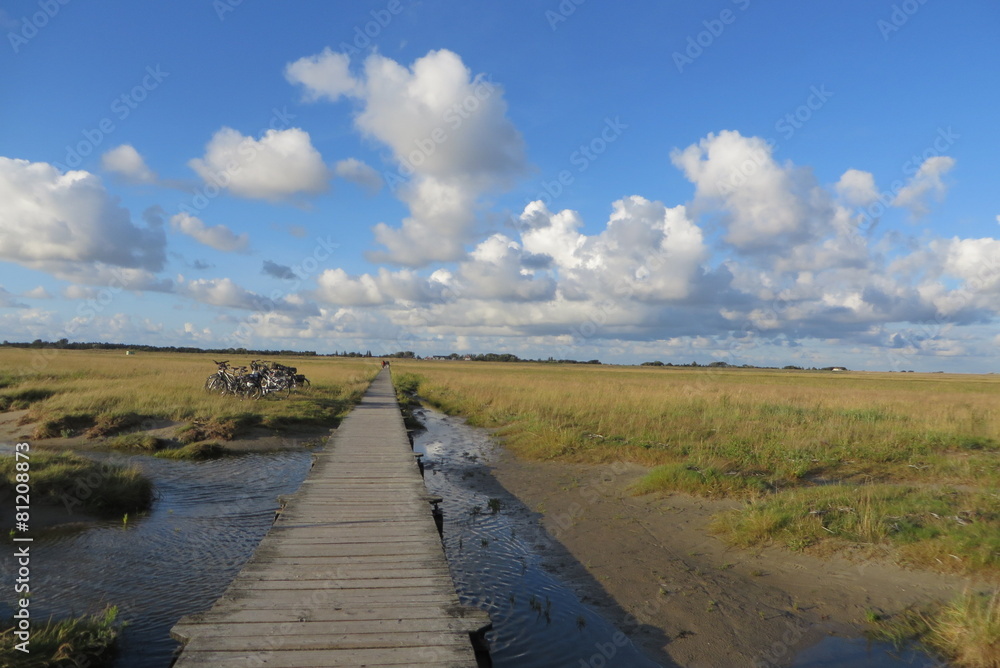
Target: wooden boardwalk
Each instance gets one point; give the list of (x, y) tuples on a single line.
[(351, 574)]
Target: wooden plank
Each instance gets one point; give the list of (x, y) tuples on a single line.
[(423, 657), (352, 573), (467, 618), (240, 638)]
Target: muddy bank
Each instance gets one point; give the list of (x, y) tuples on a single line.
[(672, 579)]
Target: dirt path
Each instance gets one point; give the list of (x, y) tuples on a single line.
[(717, 605)]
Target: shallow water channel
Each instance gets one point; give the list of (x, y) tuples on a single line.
[(179, 558), (496, 551)]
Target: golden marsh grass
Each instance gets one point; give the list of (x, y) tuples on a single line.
[(922, 449), (73, 391)]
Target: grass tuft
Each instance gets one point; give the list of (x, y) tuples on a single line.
[(965, 631), (75, 482), (136, 442), (24, 398), (704, 480), (968, 630), (82, 641)]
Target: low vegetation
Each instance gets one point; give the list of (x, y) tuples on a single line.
[(965, 632), (940, 528), (80, 641), (406, 385), (823, 459), (101, 395), (136, 442), (78, 483)]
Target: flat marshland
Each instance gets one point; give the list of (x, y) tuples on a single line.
[(109, 398), (897, 469), (903, 459)]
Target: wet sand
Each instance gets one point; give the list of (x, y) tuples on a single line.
[(657, 561)]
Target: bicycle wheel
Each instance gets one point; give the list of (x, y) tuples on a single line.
[(214, 384)]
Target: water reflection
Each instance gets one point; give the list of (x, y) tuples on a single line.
[(177, 559), (495, 556)]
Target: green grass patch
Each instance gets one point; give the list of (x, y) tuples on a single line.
[(65, 426), (195, 451), (76, 482), (82, 641), (805, 447), (406, 385), (136, 442), (704, 480), (942, 529), (23, 398), (967, 630)]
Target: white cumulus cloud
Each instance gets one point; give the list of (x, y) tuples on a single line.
[(279, 165), (767, 205), (226, 293), (69, 225), (126, 162), (325, 75), (927, 182), (857, 188), (218, 237), (37, 292), (449, 136)]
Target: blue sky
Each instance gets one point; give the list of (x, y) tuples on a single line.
[(764, 183)]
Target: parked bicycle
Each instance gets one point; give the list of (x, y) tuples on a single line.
[(260, 379)]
